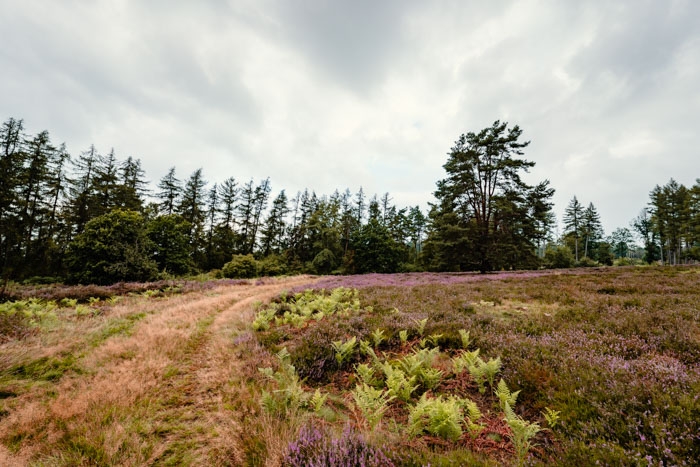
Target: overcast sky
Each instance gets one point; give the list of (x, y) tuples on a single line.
[(371, 93)]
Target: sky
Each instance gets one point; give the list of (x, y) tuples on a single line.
[(331, 95)]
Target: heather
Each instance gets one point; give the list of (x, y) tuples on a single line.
[(83, 293), (615, 352), (572, 367)]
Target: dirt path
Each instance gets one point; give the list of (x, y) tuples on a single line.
[(161, 394)]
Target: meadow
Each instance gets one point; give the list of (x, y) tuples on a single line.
[(576, 367)]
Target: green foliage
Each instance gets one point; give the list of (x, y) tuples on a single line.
[(486, 217), (437, 416), (473, 414), (434, 339), (289, 395), (586, 262), (483, 372), (419, 364), (169, 234), (372, 402), (464, 337), (112, 248), (430, 377), (398, 385), (45, 368), (505, 396), (421, 325), (558, 257), (300, 308), (522, 433), (366, 374), (344, 351), (324, 262), (374, 248), (403, 336), (378, 337), (464, 360), (317, 401), (272, 265), (551, 416), (240, 267)]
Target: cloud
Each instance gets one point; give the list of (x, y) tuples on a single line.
[(328, 95)]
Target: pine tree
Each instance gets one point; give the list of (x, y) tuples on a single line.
[(191, 208), (228, 193), (106, 180), (573, 220), (262, 194), (170, 192), (643, 225), (132, 186), (12, 159), (591, 228), (246, 207), (82, 189), (275, 226), (485, 200)]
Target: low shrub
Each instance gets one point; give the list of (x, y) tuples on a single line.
[(314, 447), (240, 267)]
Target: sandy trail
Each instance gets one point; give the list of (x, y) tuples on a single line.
[(161, 394)]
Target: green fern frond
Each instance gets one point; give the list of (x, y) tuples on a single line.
[(505, 395), (464, 336), (378, 337)]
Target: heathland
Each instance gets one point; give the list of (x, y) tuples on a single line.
[(568, 367)]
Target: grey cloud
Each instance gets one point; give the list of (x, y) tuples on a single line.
[(355, 43)]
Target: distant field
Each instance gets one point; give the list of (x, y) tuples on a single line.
[(607, 363)]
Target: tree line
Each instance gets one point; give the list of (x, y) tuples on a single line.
[(667, 231), (95, 218), (92, 218)]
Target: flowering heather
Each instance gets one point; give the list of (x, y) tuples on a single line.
[(419, 278), (616, 351), (82, 293), (314, 448)]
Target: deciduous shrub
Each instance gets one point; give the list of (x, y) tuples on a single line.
[(556, 257), (240, 267), (112, 248)]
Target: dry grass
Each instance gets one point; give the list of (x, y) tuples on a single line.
[(157, 390)]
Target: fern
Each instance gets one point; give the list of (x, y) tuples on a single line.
[(289, 395), (366, 374), (421, 325), (483, 372), (434, 339), (476, 370), (522, 433), (403, 336), (371, 402), (344, 350), (464, 360), (263, 319), (411, 364), (505, 396), (430, 377), (492, 367), (378, 337), (317, 401), (437, 416), (464, 336), (398, 384), (473, 414), (551, 416), (366, 348)]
